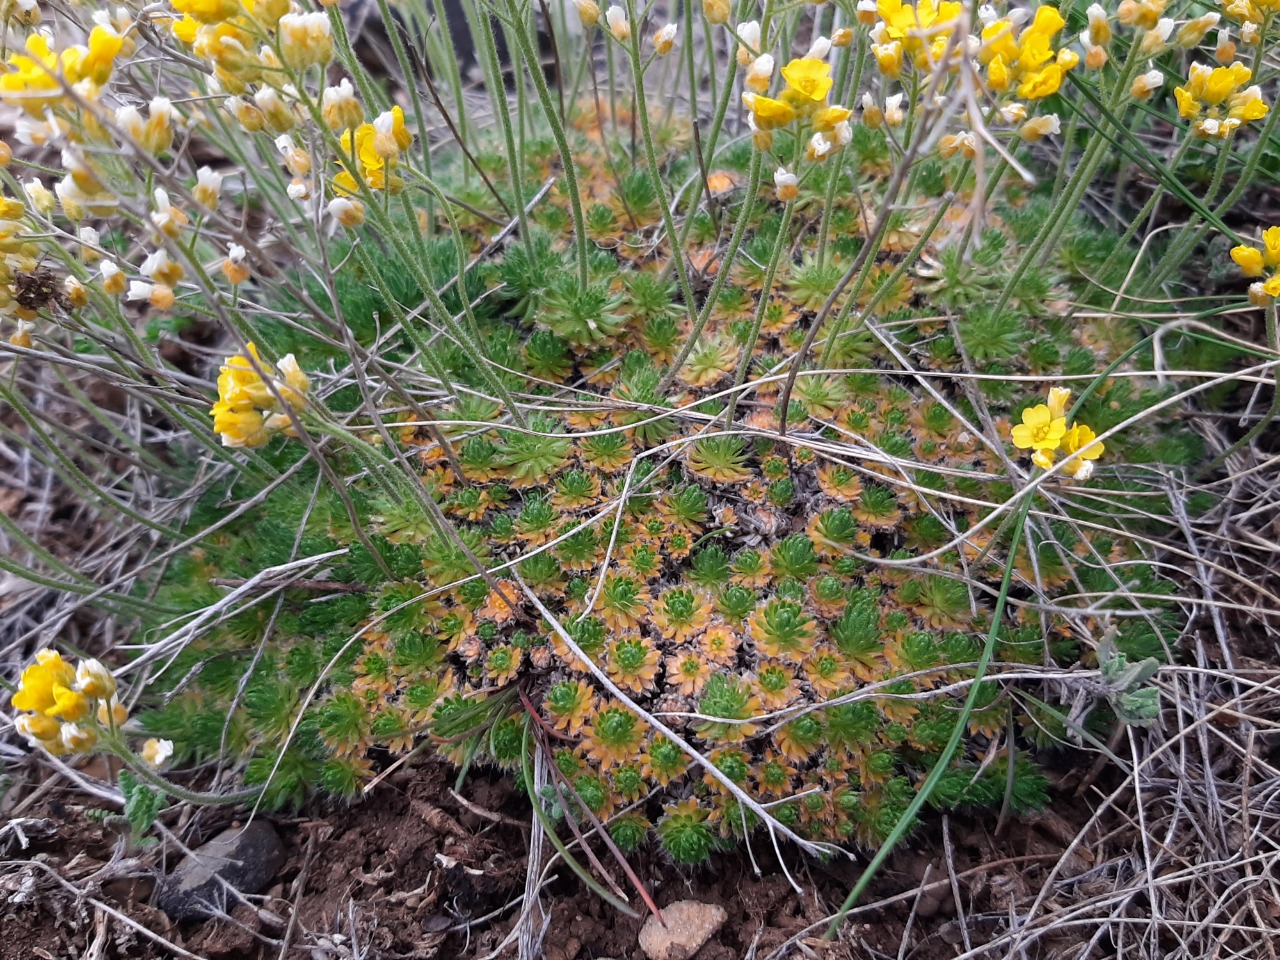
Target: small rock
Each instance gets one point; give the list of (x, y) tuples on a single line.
[(690, 924), (247, 858)]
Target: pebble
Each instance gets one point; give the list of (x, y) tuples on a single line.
[(245, 857), (689, 924)]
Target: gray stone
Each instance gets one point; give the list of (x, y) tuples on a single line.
[(689, 924), (246, 858)]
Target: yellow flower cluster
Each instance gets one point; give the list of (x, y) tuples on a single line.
[(807, 83), (1025, 60), (248, 411), (1045, 433), (1209, 90), (33, 81), (1261, 262), (59, 701), (922, 30), (372, 151), (18, 255), (224, 32), (67, 709)]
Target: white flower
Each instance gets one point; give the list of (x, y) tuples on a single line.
[(748, 42), (156, 753), (760, 73), (156, 264), (348, 212), (94, 680), (619, 26), (208, 187), (819, 49), (894, 115), (664, 39)]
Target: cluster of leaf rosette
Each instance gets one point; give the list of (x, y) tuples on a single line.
[(734, 594)]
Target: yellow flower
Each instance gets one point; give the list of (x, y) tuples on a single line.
[(998, 75), (1208, 89), (37, 727), (998, 41), (209, 11), (827, 119), (888, 58), (239, 427), (1042, 83), (909, 23), (39, 686), (244, 399), (808, 78), (185, 29), (1255, 262), (1039, 430), (1081, 447), (31, 82), (768, 114), (96, 65), (1035, 45), (1248, 259)]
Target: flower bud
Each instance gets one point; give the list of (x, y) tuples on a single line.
[(37, 727), (716, 11), (21, 337), (278, 115), (760, 73), (305, 39), (619, 25), (664, 40), (842, 37), (347, 211), (872, 115), (1146, 84), (113, 279), (77, 739), (748, 42), (94, 680), (867, 14), (112, 713), (246, 114), (157, 134), (1192, 33), (1226, 50), (77, 293), (233, 267), (156, 753), (588, 12), (1037, 128), (39, 196), (296, 160), (786, 184), (340, 108), (208, 188)]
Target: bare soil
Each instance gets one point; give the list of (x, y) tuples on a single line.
[(415, 873)]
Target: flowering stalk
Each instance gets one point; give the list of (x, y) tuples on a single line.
[(664, 202), (939, 768), (568, 169)]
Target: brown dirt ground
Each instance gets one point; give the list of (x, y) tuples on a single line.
[(422, 876)]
